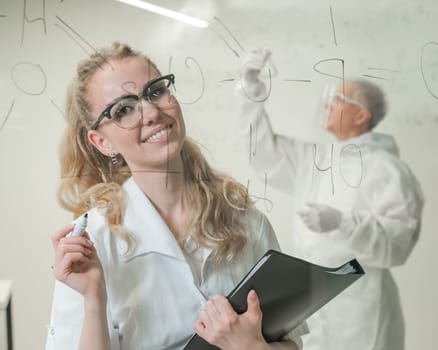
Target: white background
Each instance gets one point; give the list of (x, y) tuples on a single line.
[(38, 59)]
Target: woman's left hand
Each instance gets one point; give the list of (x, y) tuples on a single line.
[(220, 325)]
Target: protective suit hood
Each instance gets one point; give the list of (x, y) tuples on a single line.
[(375, 140)]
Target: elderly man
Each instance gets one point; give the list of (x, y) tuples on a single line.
[(354, 199)]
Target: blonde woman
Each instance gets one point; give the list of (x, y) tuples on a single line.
[(167, 236)]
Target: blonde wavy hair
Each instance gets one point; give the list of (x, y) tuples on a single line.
[(89, 179)]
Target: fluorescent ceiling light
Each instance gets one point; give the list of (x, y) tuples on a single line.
[(165, 12)]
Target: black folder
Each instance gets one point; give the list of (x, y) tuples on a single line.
[(289, 290)]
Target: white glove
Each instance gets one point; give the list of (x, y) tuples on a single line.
[(252, 65), (320, 217)]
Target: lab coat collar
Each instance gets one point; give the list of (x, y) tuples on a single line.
[(190, 247), (145, 224)]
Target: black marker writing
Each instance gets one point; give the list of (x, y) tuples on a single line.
[(252, 141), (384, 69), (250, 144), (423, 49), (266, 201), (341, 119), (330, 168), (7, 115), (346, 155), (201, 74), (127, 172), (169, 66), (299, 80), (373, 77), (80, 37), (379, 70), (333, 26), (73, 38), (226, 80), (328, 74), (154, 171), (223, 39), (167, 158), (342, 76), (229, 32), (58, 108), (20, 65), (341, 162), (126, 87), (28, 20)]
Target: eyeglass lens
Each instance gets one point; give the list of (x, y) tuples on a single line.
[(127, 111)]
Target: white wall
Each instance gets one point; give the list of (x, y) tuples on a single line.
[(384, 34)]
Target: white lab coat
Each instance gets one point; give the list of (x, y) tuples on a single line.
[(153, 298), (381, 202)]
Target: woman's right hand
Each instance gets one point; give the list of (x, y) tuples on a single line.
[(77, 264)]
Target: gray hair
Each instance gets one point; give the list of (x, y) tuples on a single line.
[(372, 96)]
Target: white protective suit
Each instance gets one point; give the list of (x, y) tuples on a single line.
[(381, 204)]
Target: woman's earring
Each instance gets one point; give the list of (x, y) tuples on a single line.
[(114, 159)]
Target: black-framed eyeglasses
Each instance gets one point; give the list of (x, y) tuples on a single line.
[(126, 111)]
